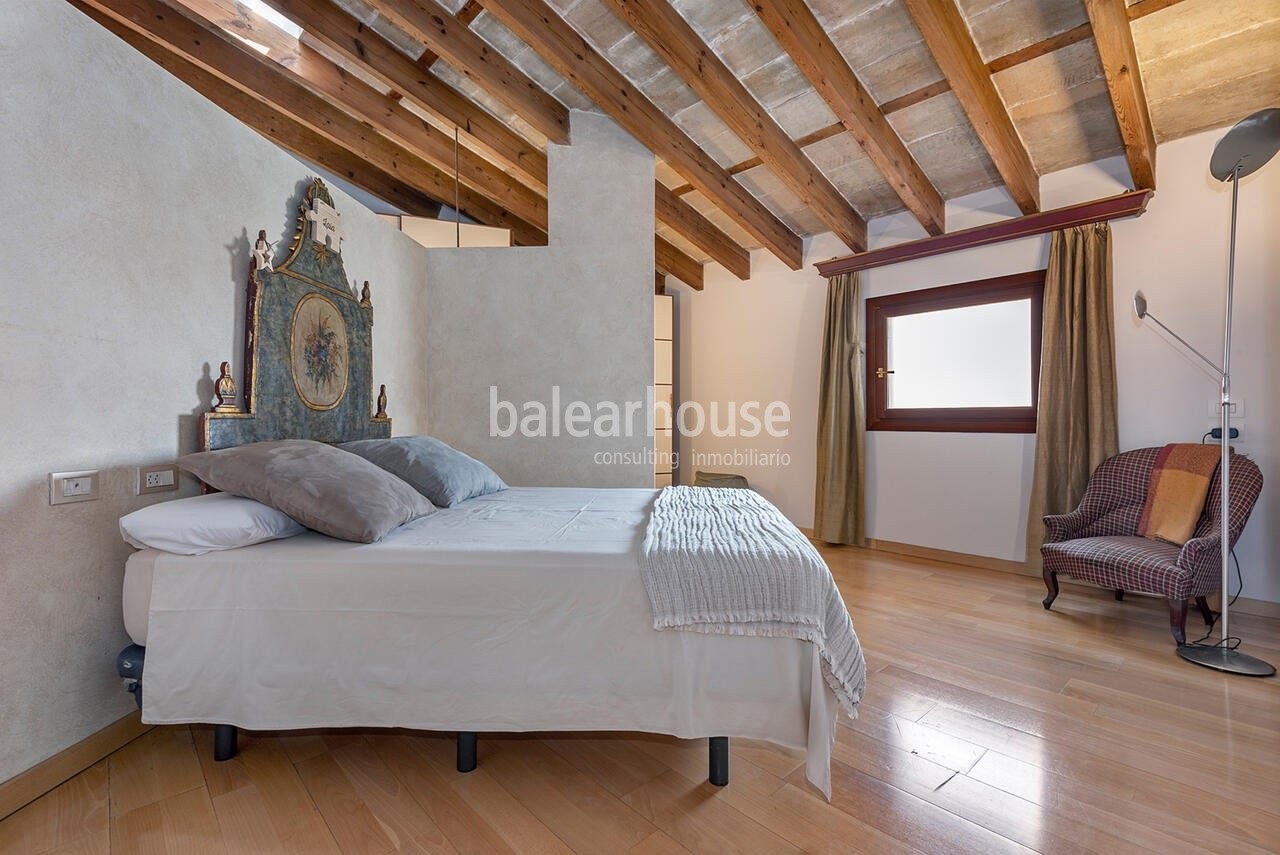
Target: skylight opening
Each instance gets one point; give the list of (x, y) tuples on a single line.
[(270, 14)]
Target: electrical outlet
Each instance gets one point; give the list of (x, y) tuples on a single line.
[(67, 487), (157, 479), (1216, 433)]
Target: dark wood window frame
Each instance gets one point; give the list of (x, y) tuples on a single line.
[(1001, 289)]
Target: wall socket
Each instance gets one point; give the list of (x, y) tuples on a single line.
[(67, 487), (157, 479)]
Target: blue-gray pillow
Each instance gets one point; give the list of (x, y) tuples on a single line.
[(320, 486), (443, 474)]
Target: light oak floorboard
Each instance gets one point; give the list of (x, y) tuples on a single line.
[(74, 811), (989, 725), (182, 823)]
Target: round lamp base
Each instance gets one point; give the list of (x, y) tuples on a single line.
[(1225, 659)]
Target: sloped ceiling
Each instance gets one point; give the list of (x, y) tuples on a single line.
[(1204, 63)]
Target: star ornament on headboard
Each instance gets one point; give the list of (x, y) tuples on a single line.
[(326, 225)]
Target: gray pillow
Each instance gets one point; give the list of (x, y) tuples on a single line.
[(320, 486), (443, 474)]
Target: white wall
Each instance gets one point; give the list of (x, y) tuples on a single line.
[(759, 340), (577, 314), (969, 492), (129, 201)]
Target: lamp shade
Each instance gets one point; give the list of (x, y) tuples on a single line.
[(1253, 141)]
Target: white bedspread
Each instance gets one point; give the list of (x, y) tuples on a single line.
[(520, 611)]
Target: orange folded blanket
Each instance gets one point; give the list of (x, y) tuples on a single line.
[(1177, 490)]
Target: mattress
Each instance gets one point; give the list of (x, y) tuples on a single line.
[(519, 611)]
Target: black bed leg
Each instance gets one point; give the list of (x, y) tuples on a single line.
[(224, 741), (466, 751), (718, 768)]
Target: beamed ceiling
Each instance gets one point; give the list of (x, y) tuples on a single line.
[(771, 119)]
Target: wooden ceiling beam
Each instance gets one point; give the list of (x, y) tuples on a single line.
[(385, 114), (239, 20), (680, 216), (701, 232), (389, 118), (468, 13), (275, 125), (1114, 38), (933, 90), (285, 130), (948, 38), (452, 41), (539, 26), (817, 57), (358, 44), (675, 41), (673, 262), (1142, 8), (239, 65)]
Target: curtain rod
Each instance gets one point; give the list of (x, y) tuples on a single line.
[(1129, 204)]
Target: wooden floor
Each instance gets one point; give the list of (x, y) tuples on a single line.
[(989, 725)]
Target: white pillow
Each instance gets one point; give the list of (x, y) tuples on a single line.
[(203, 524)]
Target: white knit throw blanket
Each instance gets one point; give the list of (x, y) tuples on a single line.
[(726, 561)]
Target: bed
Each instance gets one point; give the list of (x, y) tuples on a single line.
[(522, 610)]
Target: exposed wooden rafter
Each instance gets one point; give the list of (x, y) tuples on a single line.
[(1143, 8), (678, 215), (298, 63), (200, 42), (1114, 39), (468, 13), (1130, 204), (947, 36), (539, 26), (933, 90), (452, 41), (275, 125), (433, 25), (343, 34), (672, 38), (701, 232), (809, 46), (289, 132), (673, 262)]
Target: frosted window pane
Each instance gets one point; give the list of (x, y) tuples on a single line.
[(975, 356)]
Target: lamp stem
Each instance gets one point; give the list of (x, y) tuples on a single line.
[(1225, 466)]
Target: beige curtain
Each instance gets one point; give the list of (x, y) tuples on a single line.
[(1076, 426), (839, 512)]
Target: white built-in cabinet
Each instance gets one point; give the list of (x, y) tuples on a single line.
[(664, 405)]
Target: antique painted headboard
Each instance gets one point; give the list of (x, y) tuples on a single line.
[(308, 362)]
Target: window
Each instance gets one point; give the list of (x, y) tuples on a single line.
[(957, 358)]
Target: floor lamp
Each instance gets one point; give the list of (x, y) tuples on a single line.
[(1245, 149)]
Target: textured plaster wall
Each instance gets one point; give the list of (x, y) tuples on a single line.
[(128, 205), (577, 314)]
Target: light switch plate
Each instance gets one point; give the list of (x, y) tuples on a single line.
[(157, 479), (67, 487), (1214, 409)]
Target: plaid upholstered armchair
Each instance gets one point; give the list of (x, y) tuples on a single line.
[(1098, 542)]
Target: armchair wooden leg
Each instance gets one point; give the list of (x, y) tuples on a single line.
[(1051, 583), (1119, 594), (1209, 615), (1178, 620)]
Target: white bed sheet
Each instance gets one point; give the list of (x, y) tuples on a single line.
[(519, 611)]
